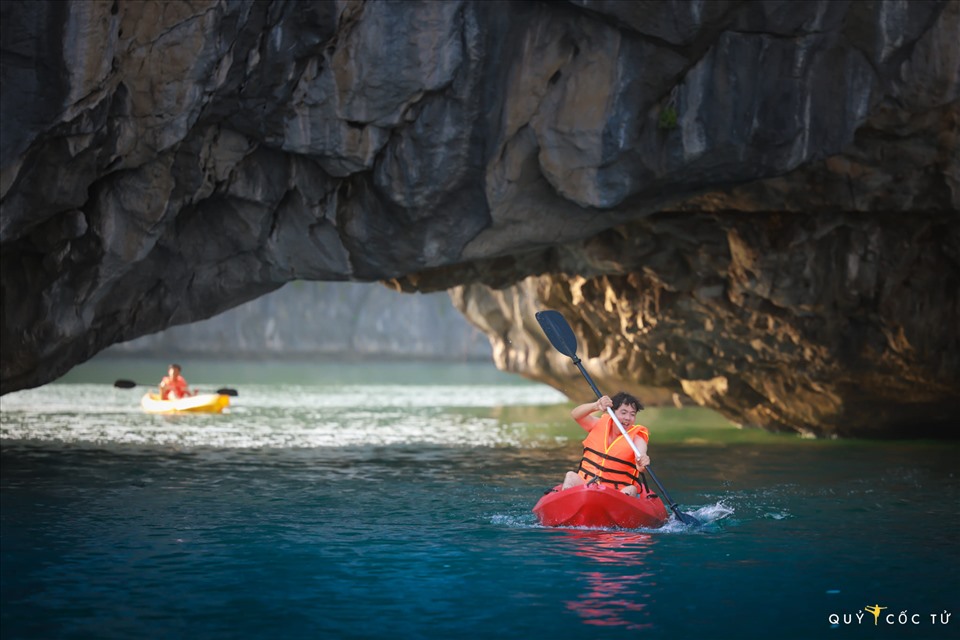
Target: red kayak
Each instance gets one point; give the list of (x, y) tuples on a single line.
[(599, 505)]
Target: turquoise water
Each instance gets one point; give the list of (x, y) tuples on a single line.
[(393, 501)]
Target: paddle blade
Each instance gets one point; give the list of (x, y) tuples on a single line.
[(124, 384), (687, 519), (227, 392), (558, 332)]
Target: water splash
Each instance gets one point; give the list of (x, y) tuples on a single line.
[(713, 512), (708, 516)]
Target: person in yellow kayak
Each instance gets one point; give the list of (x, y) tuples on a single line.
[(607, 457), (173, 384)]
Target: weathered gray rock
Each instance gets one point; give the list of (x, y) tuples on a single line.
[(163, 162)]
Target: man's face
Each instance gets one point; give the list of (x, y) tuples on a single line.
[(626, 414)]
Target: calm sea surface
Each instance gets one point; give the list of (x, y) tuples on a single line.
[(393, 501)]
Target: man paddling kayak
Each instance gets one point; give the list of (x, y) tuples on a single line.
[(607, 457)]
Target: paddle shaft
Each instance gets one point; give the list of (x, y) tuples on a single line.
[(130, 384), (663, 492)]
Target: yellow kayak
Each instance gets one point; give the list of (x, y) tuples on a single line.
[(200, 403)]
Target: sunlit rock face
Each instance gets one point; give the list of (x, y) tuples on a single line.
[(752, 204), (826, 324)]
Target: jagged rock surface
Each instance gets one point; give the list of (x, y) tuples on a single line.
[(824, 325), (163, 161)]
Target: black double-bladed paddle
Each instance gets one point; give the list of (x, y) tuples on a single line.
[(130, 384), (561, 337)]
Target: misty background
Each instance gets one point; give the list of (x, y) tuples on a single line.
[(332, 320)]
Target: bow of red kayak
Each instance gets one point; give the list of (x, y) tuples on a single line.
[(599, 505)]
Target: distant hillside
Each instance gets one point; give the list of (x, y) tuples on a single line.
[(335, 319)]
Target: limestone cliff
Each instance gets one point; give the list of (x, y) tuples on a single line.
[(323, 321), (754, 203)]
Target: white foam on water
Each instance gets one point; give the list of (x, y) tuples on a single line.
[(262, 417), (527, 521), (777, 515), (707, 515), (713, 512)]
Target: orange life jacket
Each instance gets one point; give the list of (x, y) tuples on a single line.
[(614, 465), (177, 387)]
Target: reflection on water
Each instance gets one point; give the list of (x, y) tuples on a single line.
[(615, 587)]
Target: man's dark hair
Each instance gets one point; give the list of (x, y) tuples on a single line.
[(626, 398)]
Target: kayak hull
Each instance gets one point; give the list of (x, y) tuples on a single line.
[(601, 506), (200, 403)]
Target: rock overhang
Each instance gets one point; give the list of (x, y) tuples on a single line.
[(753, 205)]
